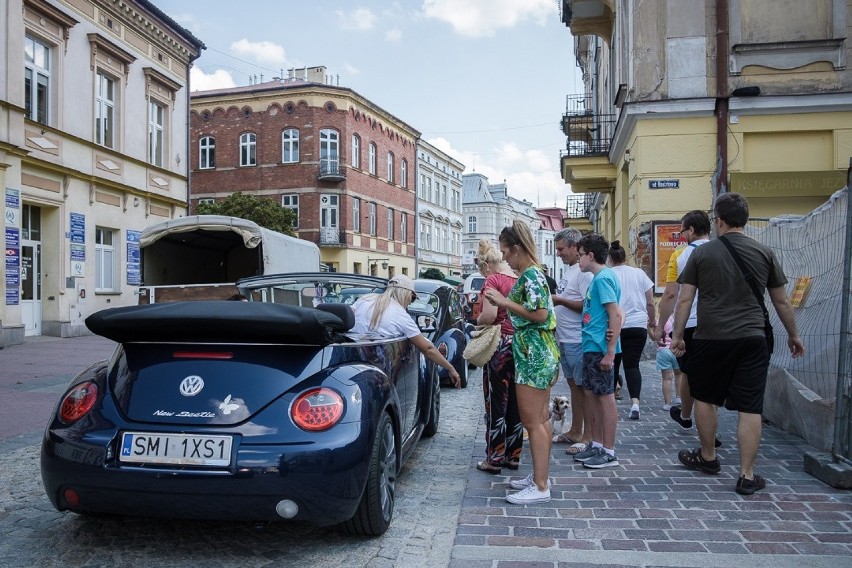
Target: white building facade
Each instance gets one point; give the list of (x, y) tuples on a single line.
[(93, 149), (487, 209), (439, 210)]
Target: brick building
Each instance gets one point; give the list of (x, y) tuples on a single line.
[(346, 166)]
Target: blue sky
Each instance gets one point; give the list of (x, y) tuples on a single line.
[(484, 80)]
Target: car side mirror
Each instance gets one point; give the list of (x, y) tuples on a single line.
[(426, 323)]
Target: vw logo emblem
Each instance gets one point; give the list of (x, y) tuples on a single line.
[(191, 385)]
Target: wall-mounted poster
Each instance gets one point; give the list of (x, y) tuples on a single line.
[(134, 276), (666, 239)]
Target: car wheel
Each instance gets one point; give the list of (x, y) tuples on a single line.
[(375, 510), (432, 426)]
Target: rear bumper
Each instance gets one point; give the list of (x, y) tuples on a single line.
[(324, 480)]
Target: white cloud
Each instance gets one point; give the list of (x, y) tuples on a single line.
[(188, 21), (350, 69), (393, 35), (264, 52), (201, 81), (360, 19), (481, 18), (532, 175)]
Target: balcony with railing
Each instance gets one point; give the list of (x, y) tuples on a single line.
[(589, 17), (332, 169), (585, 159), (331, 237)]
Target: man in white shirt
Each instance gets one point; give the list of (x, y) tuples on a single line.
[(695, 228), (568, 305)]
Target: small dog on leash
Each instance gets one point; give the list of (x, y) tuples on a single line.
[(559, 414)]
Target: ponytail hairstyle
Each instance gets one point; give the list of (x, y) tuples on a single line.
[(617, 254), (488, 254), (519, 234)]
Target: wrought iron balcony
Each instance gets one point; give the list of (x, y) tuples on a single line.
[(589, 133), (332, 169), (579, 206), (332, 236)]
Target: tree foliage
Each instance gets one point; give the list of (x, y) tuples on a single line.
[(432, 274), (265, 212)]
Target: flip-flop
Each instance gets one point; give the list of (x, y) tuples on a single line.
[(576, 448), (563, 439), (488, 468)]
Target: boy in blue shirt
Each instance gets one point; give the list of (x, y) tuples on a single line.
[(602, 321)]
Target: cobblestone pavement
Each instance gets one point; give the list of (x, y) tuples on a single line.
[(649, 511)]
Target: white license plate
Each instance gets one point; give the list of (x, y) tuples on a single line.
[(177, 449)]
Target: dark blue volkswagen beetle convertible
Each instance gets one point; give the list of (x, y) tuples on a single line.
[(259, 410)]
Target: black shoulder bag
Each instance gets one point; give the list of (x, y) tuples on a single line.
[(749, 277)]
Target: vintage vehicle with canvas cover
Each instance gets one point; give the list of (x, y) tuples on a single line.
[(261, 410)]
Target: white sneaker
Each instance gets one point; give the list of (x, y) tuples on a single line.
[(529, 495), (525, 482), (667, 406)]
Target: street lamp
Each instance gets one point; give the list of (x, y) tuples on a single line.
[(384, 261)]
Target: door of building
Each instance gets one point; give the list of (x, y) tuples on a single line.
[(31, 287)]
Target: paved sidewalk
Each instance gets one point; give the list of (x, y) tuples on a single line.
[(649, 511), (652, 511)]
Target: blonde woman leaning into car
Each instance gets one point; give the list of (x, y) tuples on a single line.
[(535, 352), (504, 434), (385, 315)]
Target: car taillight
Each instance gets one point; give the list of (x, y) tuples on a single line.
[(78, 402), (442, 348), (317, 409)]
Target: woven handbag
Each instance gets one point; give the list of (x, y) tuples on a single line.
[(482, 344)]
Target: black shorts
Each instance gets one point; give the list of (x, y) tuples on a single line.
[(595, 379), (683, 360), (730, 372)]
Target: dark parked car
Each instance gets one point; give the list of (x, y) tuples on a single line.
[(258, 410), (438, 313)]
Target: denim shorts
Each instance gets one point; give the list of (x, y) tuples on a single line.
[(571, 358), (666, 360)]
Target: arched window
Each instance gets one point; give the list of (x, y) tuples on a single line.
[(372, 164), (207, 153), (248, 149), (390, 167), (403, 173), (329, 150), (290, 146), (356, 151)]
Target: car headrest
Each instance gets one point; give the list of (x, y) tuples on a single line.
[(342, 311)]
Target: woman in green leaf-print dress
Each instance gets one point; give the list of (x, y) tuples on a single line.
[(535, 352)]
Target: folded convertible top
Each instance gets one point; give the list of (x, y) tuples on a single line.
[(216, 322)]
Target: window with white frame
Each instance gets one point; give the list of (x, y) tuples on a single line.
[(372, 158), (390, 224), (471, 224), (248, 149), (329, 218), (156, 133), (207, 153), (329, 150), (105, 111), (356, 215), (208, 200), (422, 190), (426, 233), (290, 146), (403, 173), (37, 80), (291, 202), (372, 219), (105, 264), (444, 195), (390, 167), (356, 151), (403, 227)]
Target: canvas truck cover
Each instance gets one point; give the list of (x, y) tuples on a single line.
[(206, 249)]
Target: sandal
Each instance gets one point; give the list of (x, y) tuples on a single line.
[(488, 468), (564, 439), (694, 460), (576, 448)]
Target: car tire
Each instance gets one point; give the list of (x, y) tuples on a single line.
[(435, 415), (375, 510)]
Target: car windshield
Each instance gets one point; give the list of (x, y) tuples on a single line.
[(310, 293), (476, 284)]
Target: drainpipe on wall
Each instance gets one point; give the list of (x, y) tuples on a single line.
[(720, 180)]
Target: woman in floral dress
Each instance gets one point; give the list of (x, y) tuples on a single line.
[(535, 352)]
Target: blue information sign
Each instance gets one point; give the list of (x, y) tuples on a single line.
[(134, 276), (13, 266), (78, 228)]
